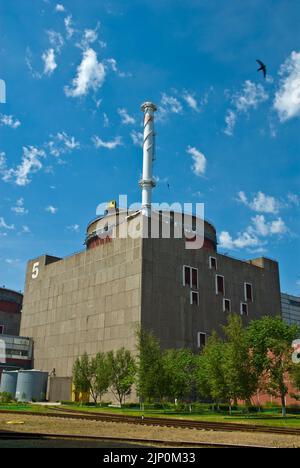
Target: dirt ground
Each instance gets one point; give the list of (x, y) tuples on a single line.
[(97, 428)]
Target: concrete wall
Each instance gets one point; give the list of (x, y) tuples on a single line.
[(59, 389), (11, 322), (94, 300), (166, 305), (87, 302)]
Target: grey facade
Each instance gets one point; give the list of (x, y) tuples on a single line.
[(290, 306), (10, 311), (93, 301)]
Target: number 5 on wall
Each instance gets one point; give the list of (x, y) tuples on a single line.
[(35, 270)]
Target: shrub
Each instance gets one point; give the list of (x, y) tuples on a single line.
[(6, 397)]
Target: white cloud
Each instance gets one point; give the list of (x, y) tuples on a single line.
[(74, 228), (171, 104), (191, 101), (30, 164), (105, 120), (200, 161), (261, 202), (90, 75), (287, 97), (242, 241), (248, 98), (264, 228), (9, 121), (25, 230), (50, 64), (4, 225), (117, 141), (89, 37), (294, 199), (19, 209), (60, 8), (62, 143), (68, 25), (56, 40), (12, 261), (51, 209), (230, 121), (251, 237), (137, 138), (125, 117)]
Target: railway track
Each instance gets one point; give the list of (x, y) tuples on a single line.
[(25, 436), (163, 422)]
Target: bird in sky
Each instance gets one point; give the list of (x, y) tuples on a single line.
[(262, 67)]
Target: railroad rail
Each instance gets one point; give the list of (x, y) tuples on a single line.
[(152, 421), (25, 436)]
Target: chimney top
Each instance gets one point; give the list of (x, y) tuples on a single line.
[(148, 104)]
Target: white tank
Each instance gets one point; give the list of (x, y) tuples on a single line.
[(31, 385), (9, 382)]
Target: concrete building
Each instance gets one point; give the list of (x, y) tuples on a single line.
[(94, 300), (10, 311), (15, 351), (290, 306)]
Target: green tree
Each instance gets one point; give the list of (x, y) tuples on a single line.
[(81, 374), (211, 377), (100, 375), (122, 368), (179, 371), (271, 339), (241, 375), (151, 383)]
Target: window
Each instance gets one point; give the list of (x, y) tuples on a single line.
[(226, 305), (190, 277), (248, 292), (244, 308), (220, 285), (201, 340), (212, 263), (1, 329), (194, 298)]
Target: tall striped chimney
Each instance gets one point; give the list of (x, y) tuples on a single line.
[(147, 183)]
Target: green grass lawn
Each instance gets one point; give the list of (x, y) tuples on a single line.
[(268, 417), (23, 407)]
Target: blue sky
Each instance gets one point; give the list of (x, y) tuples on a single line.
[(76, 73)]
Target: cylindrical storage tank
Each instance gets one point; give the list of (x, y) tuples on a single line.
[(31, 385), (9, 382)]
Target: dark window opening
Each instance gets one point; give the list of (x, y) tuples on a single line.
[(227, 305), (201, 340), (194, 298), (194, 278), (212, 263), (190, 277), (187, 276), (1, 329), (220, 286), (244, 308), (248, 292)]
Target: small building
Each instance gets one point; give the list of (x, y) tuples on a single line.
[(10, 311), (15, 351)]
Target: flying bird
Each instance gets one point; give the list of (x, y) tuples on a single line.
[(262, 68)]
